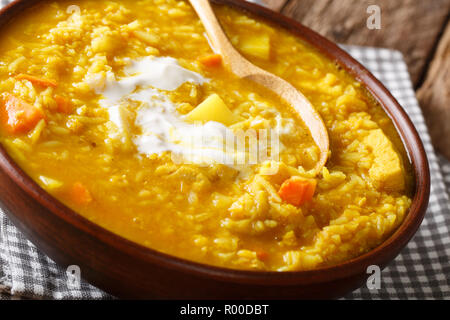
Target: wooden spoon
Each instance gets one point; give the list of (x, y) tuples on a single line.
[(245, 69)]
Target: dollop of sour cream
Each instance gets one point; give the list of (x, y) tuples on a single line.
[(162, 127), (165, 130)]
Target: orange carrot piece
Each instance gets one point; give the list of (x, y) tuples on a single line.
[(37, 81), (213, 60), (63, 105), (18, 116), (80, 194), (297, 190)]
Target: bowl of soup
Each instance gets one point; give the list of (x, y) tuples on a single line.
[(128, 148)]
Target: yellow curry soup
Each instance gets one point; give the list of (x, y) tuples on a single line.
[(96, 100)]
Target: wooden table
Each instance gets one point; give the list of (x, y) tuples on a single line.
[(420, 29)]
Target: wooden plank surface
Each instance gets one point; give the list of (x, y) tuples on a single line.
[(434, 96), (411, 26)]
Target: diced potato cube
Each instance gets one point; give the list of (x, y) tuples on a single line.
[(386, 172), (213, 109), (257, 46)]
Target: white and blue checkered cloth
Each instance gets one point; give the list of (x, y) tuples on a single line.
[(421, 271)]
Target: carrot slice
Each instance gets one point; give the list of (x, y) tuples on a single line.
[(37, 81), (18, 116), (297, 190), (212, 60), (63, 104), (80, 194)]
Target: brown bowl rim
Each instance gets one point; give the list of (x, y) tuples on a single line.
[(377, 256)]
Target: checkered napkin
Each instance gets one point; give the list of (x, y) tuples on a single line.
[(421, 271)]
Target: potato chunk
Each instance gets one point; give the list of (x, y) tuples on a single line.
[(257, 46), (104, 44), (213, 109), (104, 40), (386, 172)]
